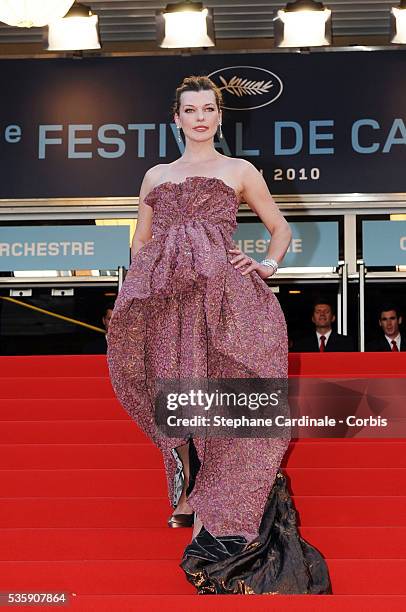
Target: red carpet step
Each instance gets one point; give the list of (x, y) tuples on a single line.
[(145, 455), (323, 511), (349, 576), (58, 544), (150, 482)]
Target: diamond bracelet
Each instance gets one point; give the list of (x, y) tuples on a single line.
[(271, 263)]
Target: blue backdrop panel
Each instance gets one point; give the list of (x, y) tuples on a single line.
[(314, 243), (384, 243), (64, 248)]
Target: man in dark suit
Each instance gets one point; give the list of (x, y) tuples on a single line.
[(98, 345), (324, 338), (390, 339)]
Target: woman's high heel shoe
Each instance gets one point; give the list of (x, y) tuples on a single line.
[(181, 520)]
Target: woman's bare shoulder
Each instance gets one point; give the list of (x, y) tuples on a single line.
[(244, 170), (236, 166), (152, 175), (157, 174), (242, 165)]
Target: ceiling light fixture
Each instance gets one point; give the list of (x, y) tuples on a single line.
[(77, 31), (32, 13), (304, 23), (185, 25), (398, 23)]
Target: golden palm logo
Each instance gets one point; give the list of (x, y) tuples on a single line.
[(243, 87)]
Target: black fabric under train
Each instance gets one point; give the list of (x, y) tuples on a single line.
[(278, 561)]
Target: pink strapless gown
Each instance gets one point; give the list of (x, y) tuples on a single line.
[(184, 311)]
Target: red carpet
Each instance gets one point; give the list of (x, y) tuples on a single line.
[(83, 503)]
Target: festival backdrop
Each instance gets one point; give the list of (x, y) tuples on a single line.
[(313, 123)]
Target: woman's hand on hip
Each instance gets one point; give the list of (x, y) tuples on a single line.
[(239, 259)]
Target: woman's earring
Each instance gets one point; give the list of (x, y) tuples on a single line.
[(179, 136), (220, 131)]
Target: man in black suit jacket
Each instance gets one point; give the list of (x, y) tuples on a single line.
[(98, 344), (390, 339), (323, 339)]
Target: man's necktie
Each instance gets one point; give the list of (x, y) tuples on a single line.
[(322, 347), (394, 348)]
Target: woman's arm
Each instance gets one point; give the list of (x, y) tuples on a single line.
[(143, 229), (256, 194)]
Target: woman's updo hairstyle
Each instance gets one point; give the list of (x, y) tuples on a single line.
[(197, 83)]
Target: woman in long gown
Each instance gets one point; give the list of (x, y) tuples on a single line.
[(194, 306)]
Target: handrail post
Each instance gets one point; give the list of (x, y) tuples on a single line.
[(345, 298), (121, 276), (361, 311), (342, 299)]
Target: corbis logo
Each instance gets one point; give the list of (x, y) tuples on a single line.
[(247, 87)]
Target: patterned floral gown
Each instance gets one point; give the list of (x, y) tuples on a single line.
[(185, 312)]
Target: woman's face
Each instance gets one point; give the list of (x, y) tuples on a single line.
[(198, 114)]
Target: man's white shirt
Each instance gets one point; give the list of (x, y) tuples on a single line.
[(397, 340), (326, 335)]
